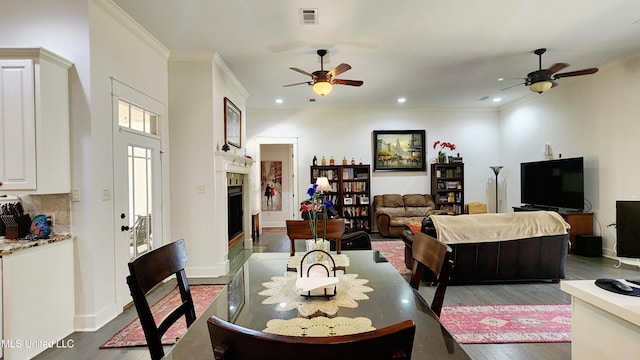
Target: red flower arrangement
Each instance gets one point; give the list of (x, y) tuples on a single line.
[(444, 145)]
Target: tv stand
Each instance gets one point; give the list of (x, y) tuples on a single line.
[(534, 208), (581, 223)]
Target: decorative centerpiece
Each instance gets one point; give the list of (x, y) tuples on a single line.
[(316, 208), (443, 145)]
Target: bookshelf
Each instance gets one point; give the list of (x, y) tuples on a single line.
[(447, 187), (350, 192)]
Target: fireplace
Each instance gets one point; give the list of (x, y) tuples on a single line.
[(234, 213)]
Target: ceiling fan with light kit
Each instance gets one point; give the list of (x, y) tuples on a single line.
[(542, 80), (323, 80)]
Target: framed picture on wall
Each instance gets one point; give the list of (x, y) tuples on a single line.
[(232, 124), (399, 150)]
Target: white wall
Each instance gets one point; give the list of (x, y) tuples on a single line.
[(595, 117), (349, 133), (198, 85)]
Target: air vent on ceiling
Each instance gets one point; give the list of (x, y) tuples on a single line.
[(309, 16)]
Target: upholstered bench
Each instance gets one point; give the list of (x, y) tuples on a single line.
[(531, 257)]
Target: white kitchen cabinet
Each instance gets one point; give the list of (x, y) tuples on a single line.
[(34, 122), (38, 301)]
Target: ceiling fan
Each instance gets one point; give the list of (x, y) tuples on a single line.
[(323, 80), (542, 80)]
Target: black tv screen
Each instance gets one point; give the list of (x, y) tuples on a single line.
[(628, 228), (553, 184)]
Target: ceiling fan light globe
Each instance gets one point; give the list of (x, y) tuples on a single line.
[(540, 86), (322, 88)]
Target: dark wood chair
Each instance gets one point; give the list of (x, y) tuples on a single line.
[(233, 342), (301, 230), (146, 272), (434, 255)]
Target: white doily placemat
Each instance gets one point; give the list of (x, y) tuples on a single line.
[(281, 291), (319, 326), (342, 261)]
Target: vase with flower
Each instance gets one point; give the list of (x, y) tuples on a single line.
[(313, 210), (443, 145)]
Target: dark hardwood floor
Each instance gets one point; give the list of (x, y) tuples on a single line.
[(86, 344)]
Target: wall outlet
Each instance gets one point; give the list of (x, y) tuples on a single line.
[(106, 194), (201, 189), (51, 219), (75, 195)]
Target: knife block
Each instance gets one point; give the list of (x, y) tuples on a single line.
[(16, 226)]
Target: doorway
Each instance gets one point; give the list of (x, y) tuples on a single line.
[(137, 184)]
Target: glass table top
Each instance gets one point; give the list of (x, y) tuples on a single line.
[(391, 301)]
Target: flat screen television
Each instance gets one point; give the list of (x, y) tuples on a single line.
[(553, 184), (628, 228)]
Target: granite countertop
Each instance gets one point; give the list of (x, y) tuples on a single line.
[(9, 246)]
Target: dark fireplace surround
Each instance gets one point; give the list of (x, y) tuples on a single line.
[(235, 211)]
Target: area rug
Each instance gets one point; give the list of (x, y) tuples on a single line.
[(393, 251), (502, 324), (132, 334)]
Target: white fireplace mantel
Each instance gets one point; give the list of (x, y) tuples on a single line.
[(230, 163)]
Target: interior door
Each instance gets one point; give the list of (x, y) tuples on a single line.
[(137, 191)]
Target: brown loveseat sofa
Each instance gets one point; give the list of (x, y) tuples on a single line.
[(394, 212)]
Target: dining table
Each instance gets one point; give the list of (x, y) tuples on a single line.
[(370, 293)]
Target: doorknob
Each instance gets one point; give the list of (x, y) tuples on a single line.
[(124, 228)]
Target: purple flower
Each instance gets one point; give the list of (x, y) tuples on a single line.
[(328, 204)]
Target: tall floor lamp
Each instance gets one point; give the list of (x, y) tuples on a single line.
[(496, 170)]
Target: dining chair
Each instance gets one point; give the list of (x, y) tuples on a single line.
[(434, 255), (146, 272), (233, 342), (301, 230)]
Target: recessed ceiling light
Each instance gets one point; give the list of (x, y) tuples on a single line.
[(497, 99), (401, 100), (500, 79), (278, 101)]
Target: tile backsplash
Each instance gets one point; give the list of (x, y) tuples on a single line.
[(59, 205)]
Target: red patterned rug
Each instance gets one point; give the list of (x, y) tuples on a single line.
[(502, 324), (393, 251), (132, 334)]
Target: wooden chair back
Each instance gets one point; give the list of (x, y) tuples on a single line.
[(428, 252), (146, 272), (301, 230), (233, 342)]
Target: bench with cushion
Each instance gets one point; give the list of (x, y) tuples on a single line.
[(500, 247)]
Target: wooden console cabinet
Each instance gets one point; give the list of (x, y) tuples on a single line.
[(581, 224)]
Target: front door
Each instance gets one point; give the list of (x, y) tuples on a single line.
[(137, 190)]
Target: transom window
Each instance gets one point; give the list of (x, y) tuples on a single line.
[(136, 118)]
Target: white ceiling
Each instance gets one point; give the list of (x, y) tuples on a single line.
[(435, 53)]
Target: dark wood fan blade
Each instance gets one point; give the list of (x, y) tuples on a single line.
[(554, 84), (512, 86), (301, 71), (576, 73), (339, 69), (557, 67), (347, 82), (300, 83)]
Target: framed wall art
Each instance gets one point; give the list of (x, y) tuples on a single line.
[(399, 150), (232, 124)]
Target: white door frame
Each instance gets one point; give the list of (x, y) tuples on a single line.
[(122, 138), (274, 140)]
